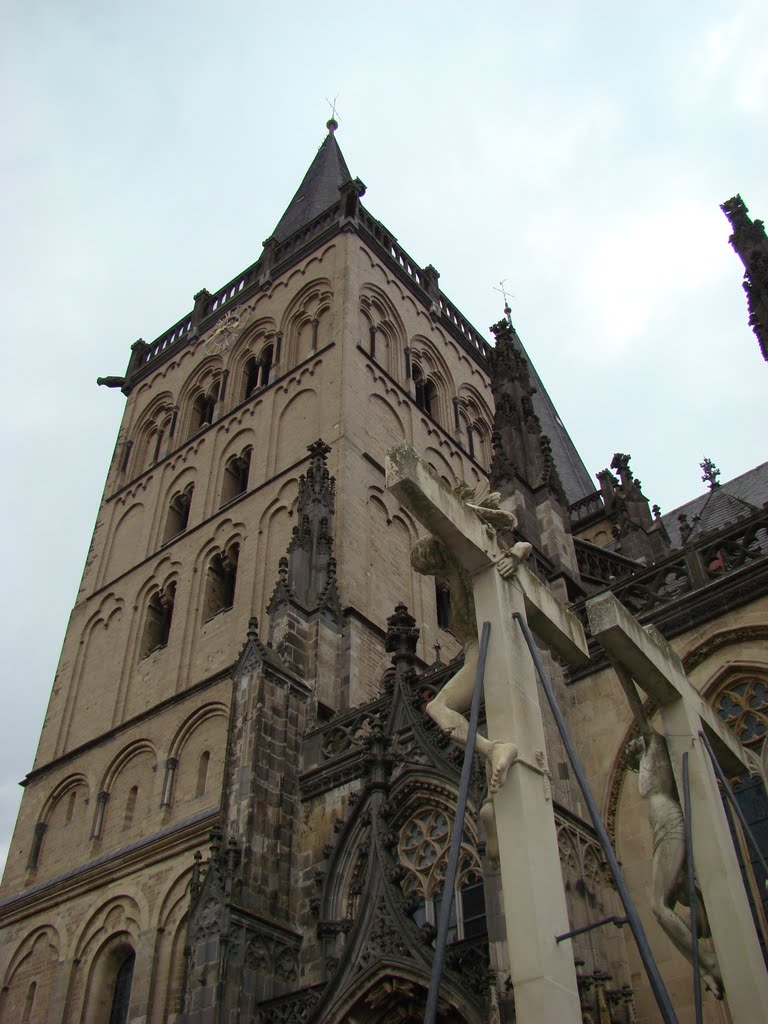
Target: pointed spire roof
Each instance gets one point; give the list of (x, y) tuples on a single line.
[(319, 189)]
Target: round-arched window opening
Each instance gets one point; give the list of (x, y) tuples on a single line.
[(121, 994)]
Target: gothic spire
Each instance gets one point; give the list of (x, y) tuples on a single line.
[(319, 189)]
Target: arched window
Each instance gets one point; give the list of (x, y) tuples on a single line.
[(426, 392), (250, 377), (220, 583), (178, 513), (204, 408), (423, 851), (121, 994), (157, 625), (236, 477), (202, 773)]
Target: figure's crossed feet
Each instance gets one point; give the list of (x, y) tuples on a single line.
[(501, 758)]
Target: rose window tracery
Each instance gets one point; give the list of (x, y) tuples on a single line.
[(743, 705), (423, 850)]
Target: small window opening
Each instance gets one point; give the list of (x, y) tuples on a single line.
[(178, 514), (443, 603), (204, 408), (70, 807), (130, 807), (426, 392), (29, 1002), (236, 477), (220, 583), (157, 626), (250, 377), (121, 995), (202, 773)]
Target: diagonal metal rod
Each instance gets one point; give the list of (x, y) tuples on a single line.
[(733, 801), (441, 941), (654, 977), (692, 891), (613, 919)]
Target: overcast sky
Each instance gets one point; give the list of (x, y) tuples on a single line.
[(578, 149)]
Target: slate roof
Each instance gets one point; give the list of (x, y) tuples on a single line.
[(573, 473), (734, 500), (319, 189)]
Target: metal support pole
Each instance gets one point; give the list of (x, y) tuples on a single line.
[(613, 919), (441, 941), (692, 892), (654, 977), (733, 802)]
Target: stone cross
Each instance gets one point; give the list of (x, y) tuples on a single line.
[(542, 971), (655, 667)]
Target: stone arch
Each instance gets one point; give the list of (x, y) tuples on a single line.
[(169, 955), (34, 962), (390, 539), (303, 410), (125, 547), (202, 386), (476, 421), (429, 361), (258, 343), (378, 313), (204, 731), (107, 933), (274, 534), (242, 446), (156, 595), (130, 780), (306, 322), (182, 483), (151, 434), (384, 426), (441, 466), (63, 821), (92, 686)]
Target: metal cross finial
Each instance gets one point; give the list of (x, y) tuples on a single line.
[(503, 290), (333, 105)]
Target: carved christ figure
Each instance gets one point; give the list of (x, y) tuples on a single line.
[(648, 754), (432, 557)]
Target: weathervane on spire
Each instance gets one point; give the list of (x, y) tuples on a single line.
[(332, 124), (503, 290)]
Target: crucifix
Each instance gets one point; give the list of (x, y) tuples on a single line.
[(542, 970), (642, 656)]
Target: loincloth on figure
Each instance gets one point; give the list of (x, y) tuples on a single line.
[(668, 824)]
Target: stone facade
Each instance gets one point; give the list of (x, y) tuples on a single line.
[(237, 796)]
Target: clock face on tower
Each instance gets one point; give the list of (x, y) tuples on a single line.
[(223, 334)]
